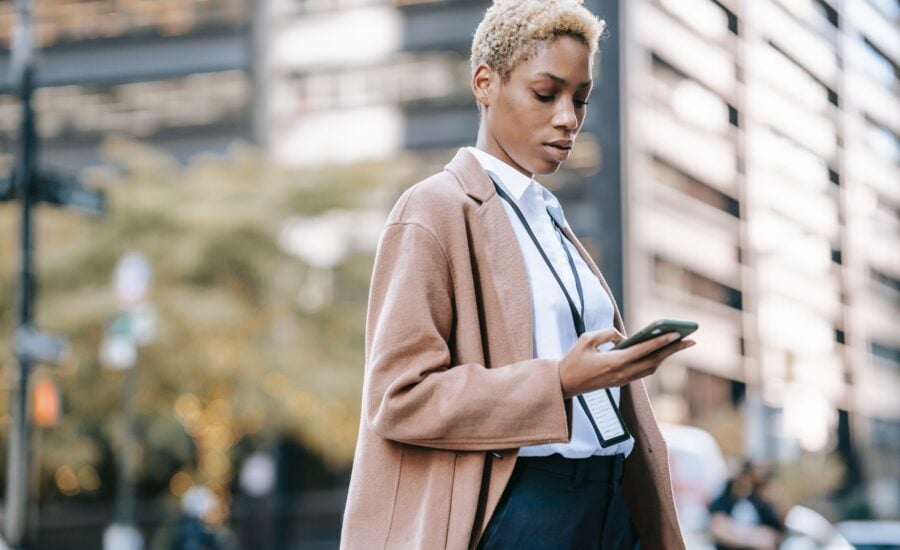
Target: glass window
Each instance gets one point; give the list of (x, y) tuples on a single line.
[(878, 65)]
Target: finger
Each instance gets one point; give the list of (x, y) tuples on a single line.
[(658, 356), (647, 365), (641, 369), (638, 370), (670, 349), (637, 351), (596, 337)]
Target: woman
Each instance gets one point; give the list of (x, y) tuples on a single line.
[(471, 435)]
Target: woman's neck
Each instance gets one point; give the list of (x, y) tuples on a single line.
[(487, 143)]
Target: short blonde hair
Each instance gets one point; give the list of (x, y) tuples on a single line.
[(512, 30)]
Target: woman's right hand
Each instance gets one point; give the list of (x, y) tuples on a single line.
[(586, 368)]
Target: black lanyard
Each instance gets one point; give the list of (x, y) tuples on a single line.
[(577, 316)]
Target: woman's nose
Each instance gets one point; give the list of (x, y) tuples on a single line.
[(565, 115)]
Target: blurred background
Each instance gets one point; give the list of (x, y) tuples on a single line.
[(739, 166)]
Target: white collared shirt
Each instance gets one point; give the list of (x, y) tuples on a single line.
[(554, 332)]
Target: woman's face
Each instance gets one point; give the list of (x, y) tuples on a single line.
[(531, 120)]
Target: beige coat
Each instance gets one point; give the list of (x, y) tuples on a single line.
[(450, 378)]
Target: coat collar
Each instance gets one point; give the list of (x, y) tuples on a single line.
[(474, 180)]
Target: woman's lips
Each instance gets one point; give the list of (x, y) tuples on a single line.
[(559, 153)]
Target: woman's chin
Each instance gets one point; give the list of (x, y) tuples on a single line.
[(548, 167)]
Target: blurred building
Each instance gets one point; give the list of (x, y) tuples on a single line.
[(762, 201), (739, 166), (175, 74)]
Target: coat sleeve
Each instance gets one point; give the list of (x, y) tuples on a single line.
[(412, 393)]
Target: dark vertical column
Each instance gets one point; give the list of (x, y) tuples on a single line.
[(605, 191), (125, 488), (257, 42), (24, 178), (847, 451)]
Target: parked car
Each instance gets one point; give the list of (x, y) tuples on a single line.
[(809, 530), (871, 535)]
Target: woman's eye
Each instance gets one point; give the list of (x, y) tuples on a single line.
[(549, 98)]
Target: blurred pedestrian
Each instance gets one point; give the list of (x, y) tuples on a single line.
[(200, 526), (486, 319), (741, 517)]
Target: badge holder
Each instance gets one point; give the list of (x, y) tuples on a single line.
[(605, 417)]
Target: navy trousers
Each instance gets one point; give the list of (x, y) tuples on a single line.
[(561, 503)]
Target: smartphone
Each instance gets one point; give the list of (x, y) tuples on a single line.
[(654, 329)]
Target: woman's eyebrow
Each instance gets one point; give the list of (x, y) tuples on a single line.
[(561, 80)]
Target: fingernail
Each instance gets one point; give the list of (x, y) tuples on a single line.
[(674, 336)]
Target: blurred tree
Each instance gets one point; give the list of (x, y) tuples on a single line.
[(261, 279)]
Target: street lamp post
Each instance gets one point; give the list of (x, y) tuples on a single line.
[(23, 183), (134, 327), (30, 346)]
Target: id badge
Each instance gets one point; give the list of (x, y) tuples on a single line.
[(605, 417)]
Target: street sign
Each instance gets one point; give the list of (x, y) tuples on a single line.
[(118, 353), (125, 333), (132, 279), (59, 191), (68, 191), (37, 346), (143, 324), (6, 190), (118, 350)]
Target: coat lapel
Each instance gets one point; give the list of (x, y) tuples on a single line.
[(505, 264)]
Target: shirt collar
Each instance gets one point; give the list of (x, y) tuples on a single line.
[(517, 183), (514, 181)]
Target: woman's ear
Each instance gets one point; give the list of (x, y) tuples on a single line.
[(482, 83)]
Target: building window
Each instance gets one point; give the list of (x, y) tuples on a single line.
[(319, 6), (137, 108), (672, 275), (878, 65), (401, 82), (886, 434), (886, 352), (882, 141), (695, 188), (72, 20), (890, 8)]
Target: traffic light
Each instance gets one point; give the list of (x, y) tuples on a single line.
[(46, 403)]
